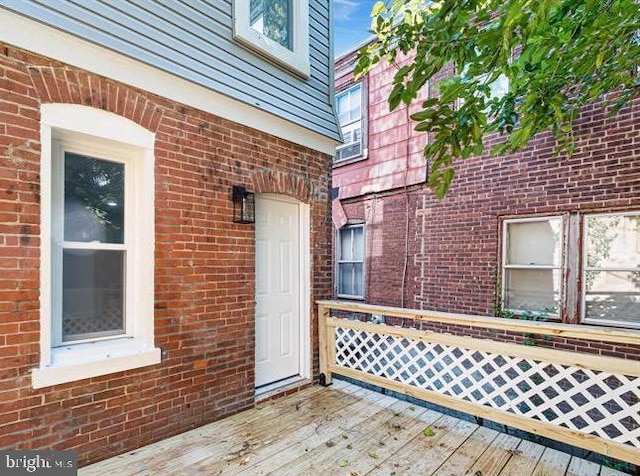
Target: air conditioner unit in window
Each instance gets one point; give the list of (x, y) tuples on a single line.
[(349, 151)]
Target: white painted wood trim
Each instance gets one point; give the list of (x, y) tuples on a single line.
[(41, 39), (305, 291), (48, 376), (296, 60), (100, 133), (45, 243)]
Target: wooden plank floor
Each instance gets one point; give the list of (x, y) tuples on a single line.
[(344, 430)]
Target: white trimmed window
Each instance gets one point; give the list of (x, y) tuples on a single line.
[(611, 270), (351, 262), (532, 265), (349, 108), (97, 236), (279, 29)]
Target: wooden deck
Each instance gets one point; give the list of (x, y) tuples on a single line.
[(344, 430)]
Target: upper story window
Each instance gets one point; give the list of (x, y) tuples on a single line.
[(278, 29), (351, 262), (349, 109), (498, 88)]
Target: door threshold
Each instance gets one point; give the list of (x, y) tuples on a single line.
[(269, 390)]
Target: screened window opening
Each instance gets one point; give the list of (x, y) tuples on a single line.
[(532, 271), (349, 108), (351, 261)]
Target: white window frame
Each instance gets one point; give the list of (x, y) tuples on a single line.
[(585, 268), (97, 132), (359, 119), (505, 266), (296, 60), (63, 143), (340, 261)]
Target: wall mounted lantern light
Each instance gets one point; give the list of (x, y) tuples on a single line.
[(244, 205)]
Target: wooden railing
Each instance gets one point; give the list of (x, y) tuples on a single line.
[(582, 399)]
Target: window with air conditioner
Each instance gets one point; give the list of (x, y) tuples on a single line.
[(349, 108)]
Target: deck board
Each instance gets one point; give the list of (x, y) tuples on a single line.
[(497, 455), (524, 459), (343, 430)]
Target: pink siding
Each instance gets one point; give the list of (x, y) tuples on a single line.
[(389, 152)]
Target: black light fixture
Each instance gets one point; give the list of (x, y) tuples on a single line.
[(244, 205)]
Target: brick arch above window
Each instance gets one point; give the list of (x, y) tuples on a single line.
[(64, 86), (284, 183), (96, 122)]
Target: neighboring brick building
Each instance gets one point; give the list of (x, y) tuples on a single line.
[(127, 293), (524, 232)]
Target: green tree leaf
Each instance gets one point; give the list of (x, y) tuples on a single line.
[(508, 67)]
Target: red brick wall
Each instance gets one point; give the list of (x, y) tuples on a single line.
[(453, 244), (387, 246), (460, 237), (204, 265)]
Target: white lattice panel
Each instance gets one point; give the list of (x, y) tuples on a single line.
[(597, 403)]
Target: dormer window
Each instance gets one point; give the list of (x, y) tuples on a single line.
[(278, 29)]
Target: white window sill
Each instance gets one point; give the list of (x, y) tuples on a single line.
[(82, 361), (351, 160)]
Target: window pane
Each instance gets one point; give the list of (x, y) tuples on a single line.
[(358, 243), (345, 244), (92, 293), (93, 200), (613, 241), (532, 289), (535, 242), (345, 278), (351, 133), (350, 279), (358, 280), (356, 103), (613, 295), (500, 87), (272, 18), (349, 151), (349, 105)]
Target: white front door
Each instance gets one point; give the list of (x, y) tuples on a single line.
[(278, 290)]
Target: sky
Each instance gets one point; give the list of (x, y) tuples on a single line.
[(351, 23)]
